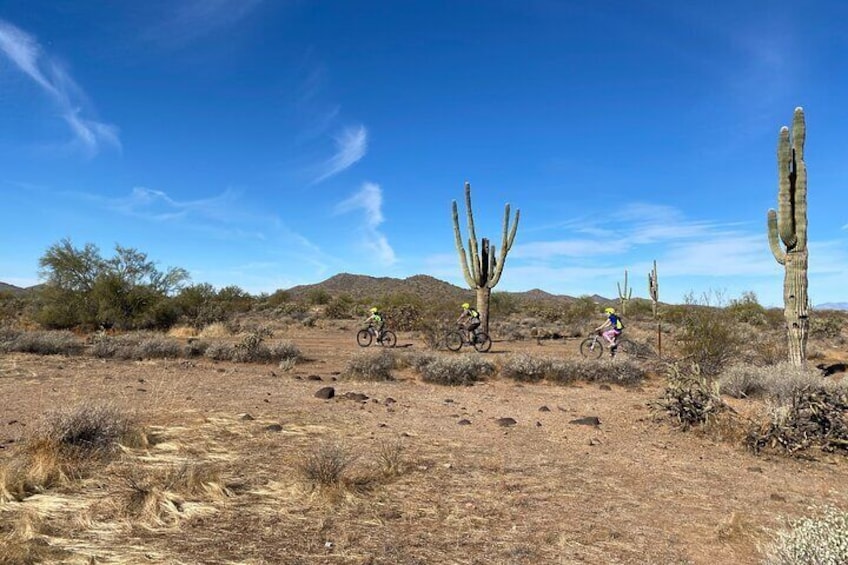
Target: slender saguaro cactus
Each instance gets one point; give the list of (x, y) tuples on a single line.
[(654, 289), (624, 294), (789, 225), (482, 267)]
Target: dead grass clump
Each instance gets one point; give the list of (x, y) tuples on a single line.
[(368, 366), (157, 497), (39, 465), (22, 542), (215, 331), (47, 343), (690, 399), (93, 428), (327, 464), (389, 457), (457, 370)]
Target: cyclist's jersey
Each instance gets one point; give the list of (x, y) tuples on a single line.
[(376, 318), (472, 313), (615, 322)]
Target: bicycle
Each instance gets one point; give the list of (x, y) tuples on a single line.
[(454, 340), (366, 336), (593, 347)]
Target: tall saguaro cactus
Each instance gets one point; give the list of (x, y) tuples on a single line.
[(624, 294), (789, 225), (482, 267), (654, 289)]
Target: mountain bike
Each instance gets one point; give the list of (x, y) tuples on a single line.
[(593, 347), (366, 336), (454, 340)]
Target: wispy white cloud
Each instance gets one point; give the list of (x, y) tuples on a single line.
[(351, 146), (369, 200), (189, 20), (24, 51)]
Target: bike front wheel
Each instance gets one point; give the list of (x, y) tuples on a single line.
[(453, 341), (363, 338), (591, 348), (389, 339), (482, 342)]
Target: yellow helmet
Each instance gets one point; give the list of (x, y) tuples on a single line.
[(466, 305), (609, 310), (374, 309)]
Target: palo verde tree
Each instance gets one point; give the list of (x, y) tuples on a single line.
[(84, 289), (481, 265), (789, 225), (624, 294)]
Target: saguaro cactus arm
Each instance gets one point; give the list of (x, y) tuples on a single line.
[(460, 248), (508, 238), (788, 224)]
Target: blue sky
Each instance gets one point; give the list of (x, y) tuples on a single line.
[(273, 143)]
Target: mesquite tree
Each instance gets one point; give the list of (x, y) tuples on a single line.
[(624, 294), (789, 225), (482, 266)]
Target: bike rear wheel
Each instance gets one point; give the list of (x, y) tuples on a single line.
[(363, 338), (453, 341), (591, 348), (389, 339), (482, 342)]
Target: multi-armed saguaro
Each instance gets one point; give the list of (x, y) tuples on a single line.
[(624, 294), (789, 225), (481, 268)]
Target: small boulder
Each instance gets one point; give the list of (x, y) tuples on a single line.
[(245, 417), (506, 422), (325, 393), (464, 422), (587, 421), (314, 378), (544, 409), (356, 396), (273, 428)]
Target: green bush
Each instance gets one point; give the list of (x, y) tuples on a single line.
[(709, 337), (822, 540), (776, 382)]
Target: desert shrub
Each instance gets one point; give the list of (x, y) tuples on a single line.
[(136, 345), (326, 464), (215, 330), (218, 351), (46, 343), (690, 398), (812, 417), (778, 382), (812, 541), (414, 359), (93, 427), (826, 324), (195, 348), (579, 311), (433, 331), (285, 351), (640, 309), (526, 368), (709, 338), (278, 298), (159, 347), (769, 348), (318, 297), (747, 309), (369, 366), (389, 457), (457, 370), (341, 307), (620, 371)]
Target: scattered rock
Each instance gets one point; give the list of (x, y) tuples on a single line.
[(448, 400), (538, 424), (464, 422), (12, 422), (777, 497), (314, 378), (506, 422), (755, 469), (325, 393), (594, 441), (141, 389), (246, 417), (604, 386), (544, 409), (273, 428), (382, 425), (357, 396), (587, 421), (388, 401), (141, 380)]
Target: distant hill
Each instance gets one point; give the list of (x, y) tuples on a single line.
[(10, 288), (832, 306), (362, 287)]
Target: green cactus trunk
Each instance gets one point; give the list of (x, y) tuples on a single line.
[(788, 226)]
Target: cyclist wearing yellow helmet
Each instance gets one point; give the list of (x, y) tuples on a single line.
[(469, 319), (375, 320), (615, 325)]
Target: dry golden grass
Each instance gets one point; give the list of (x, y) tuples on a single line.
[(182, 332), (215, 331)]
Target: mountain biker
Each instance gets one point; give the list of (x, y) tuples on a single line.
[(375, 320), (615, 325), (470, 320)]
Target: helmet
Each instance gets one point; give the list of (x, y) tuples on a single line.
[(609, 310), (466, 305), (374, 309)]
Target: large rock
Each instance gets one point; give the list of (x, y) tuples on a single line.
[(325, 393)]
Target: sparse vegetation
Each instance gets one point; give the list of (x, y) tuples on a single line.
[(690, 398), (370, 366), (457, 370), (819, 540), (327, 463)]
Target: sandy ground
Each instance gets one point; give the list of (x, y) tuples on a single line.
[(632, 490)]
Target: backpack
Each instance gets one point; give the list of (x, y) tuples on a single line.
[(619, 324), (474, 313)]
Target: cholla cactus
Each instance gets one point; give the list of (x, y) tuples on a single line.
[(624, 294), (481, 268), (788, 225)]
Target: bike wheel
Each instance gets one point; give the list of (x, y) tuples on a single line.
[(389, 339), (453, 341), (482, 342), (363, 338), (591, 348)]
